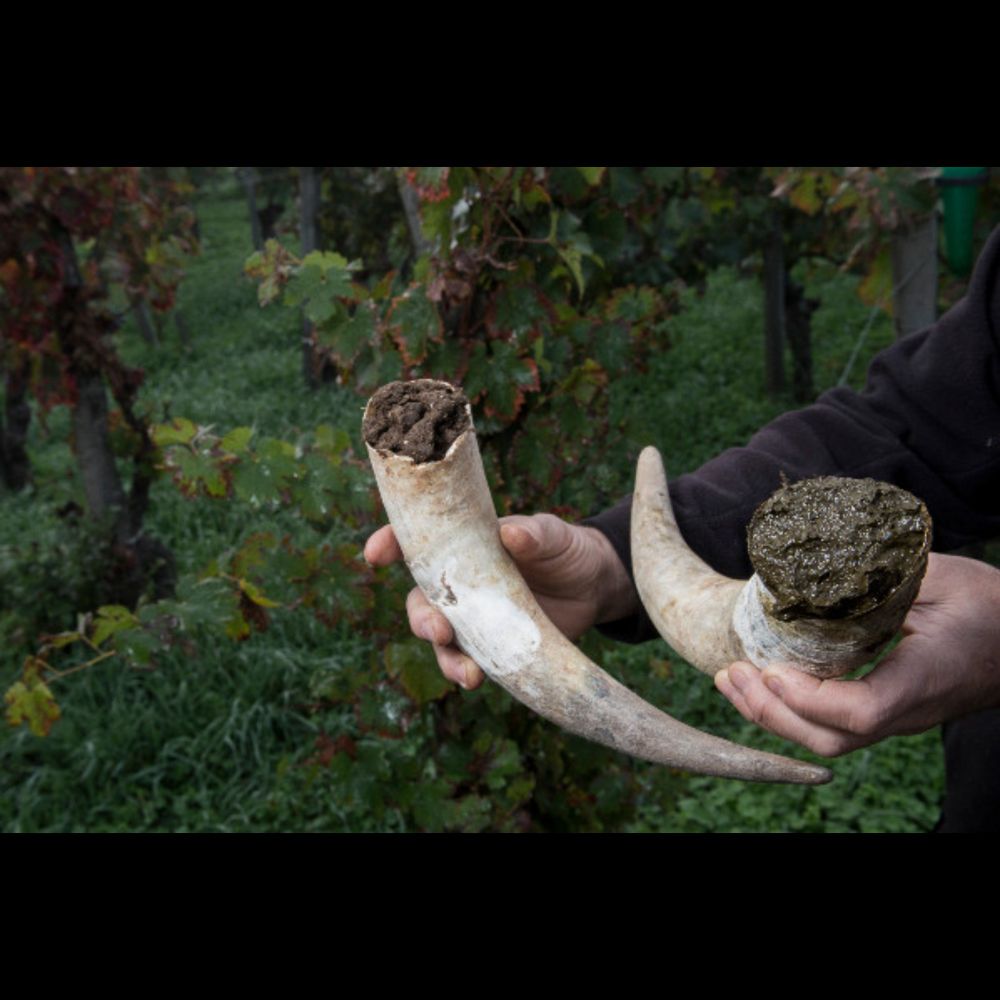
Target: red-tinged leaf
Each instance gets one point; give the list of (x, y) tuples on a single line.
[(414, 323), (634, 305), (195, 471), (431, 183), (500, 378)]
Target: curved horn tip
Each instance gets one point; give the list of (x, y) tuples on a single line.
[(650, 458), (820, 775)]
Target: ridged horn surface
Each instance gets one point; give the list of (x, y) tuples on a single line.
[(689, 603), (444, 519)]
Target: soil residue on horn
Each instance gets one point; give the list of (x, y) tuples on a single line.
[(836, 548), (420, 419)]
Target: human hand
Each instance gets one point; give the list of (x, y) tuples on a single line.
[(572, 569), (947, 665)]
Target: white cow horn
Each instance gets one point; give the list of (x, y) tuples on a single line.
[(444, 519)]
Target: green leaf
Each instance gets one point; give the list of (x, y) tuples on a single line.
[(320, 281), (347, 337), (414, 664), (253, 483), (237, 440), (592, 175), (278, 459), (505, 763), (444, 360), (137, 645), (255, 594), (331, 487), (178, 431), (332, 441), (573, 259), (112, 618), (626, 185), (431, 804), (518, 310), (340, 590), (207, 603), (375, 368), (435, 220)]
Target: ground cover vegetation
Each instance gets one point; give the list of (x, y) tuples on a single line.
[(270, 683)]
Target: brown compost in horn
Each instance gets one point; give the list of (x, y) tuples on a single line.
[(430, 476), (837, 564)]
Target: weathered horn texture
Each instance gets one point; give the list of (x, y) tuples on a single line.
[(712, 620), (444, 519)]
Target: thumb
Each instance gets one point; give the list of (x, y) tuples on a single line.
[(533, 538)]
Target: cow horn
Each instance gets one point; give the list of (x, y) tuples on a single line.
[(712, 620)]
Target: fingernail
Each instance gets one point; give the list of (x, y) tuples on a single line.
[(463, 678), (739, 675), (426, 631), (773, 684)]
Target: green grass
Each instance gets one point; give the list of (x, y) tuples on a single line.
[(221, 738)]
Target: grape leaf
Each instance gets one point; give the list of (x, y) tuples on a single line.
[(112, 618), (414, 664), (179, 431), (415, 323), (237, 440), (31, 702)]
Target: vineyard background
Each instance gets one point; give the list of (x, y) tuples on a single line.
[(270, 684)]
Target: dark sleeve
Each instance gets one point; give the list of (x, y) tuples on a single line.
[(928, 420)]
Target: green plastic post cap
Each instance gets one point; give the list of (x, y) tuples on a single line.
[(959, 197)]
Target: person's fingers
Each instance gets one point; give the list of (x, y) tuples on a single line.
[(863, 707), (425, 621), (382, 549), (428, 623), (458, 667), (743, 685)]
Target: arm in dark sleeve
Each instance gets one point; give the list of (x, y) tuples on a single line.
[(927, 420)]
